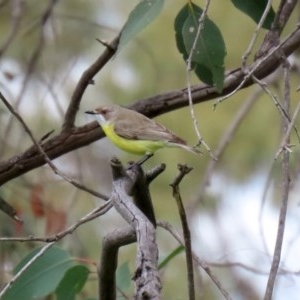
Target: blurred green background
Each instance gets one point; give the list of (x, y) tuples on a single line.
[(149, 65)]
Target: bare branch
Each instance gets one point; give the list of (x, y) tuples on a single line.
[(9, 210), (45, 156), (99, 211), (285, 193), (224, 142), (85, 80), (140, 190), (109, 260), (262, 205), (255, 34), (251, 72), (34, 58), (184, 170), (154, 172), (114, 240), (200, 262), (146, 277), (272, 37), (188, 71)]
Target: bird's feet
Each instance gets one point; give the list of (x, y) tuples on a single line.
[(141, 161)]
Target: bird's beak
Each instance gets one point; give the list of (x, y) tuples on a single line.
[(90, 112)]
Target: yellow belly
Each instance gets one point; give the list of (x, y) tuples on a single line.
[(140, 147)]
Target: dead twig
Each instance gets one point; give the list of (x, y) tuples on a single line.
[(99, 211), (47, 159), (285, 193), (147, 281), (199, 262), (184, 170)]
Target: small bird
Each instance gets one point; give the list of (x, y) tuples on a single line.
[(134, 132)]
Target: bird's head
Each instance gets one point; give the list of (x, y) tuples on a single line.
[(104, 114)]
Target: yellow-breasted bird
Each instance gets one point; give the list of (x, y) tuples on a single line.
[(134, 132)]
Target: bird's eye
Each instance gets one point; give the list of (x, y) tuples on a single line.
[(104, 111)]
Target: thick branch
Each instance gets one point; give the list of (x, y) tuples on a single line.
[(282, 16), (109, 260), (146, 278), (141, 194), (75, 138)]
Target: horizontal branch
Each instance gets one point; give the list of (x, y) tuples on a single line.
[(77, 137)]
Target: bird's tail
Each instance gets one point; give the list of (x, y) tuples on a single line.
[(194, 150)]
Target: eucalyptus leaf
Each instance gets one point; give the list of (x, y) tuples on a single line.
[(255, 9), (72, 283), (123, 277), (170, 256), (209, 51), (41, 277), (141, 16)]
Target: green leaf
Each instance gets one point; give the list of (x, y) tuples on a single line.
[(209, 52), (72, 283), (255, 9), (41, 277), (169, 257), (123, 277), (141, 16)]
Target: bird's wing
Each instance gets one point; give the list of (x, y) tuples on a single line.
[(146, 129)]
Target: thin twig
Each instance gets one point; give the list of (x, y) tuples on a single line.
[(228, 135), (35, 56), (234, 264), (262, 204), (85, 81), (285, 192), (255, 34), (224, 142), (284, 11), (284, 141), (200, 262), (277, 103), (9, 210), (254, 67), (188, 73), (184, 170), (47, 159), (99, 211)]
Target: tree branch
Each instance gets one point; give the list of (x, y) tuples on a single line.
[(199, 262), (109, 260), (148, 285), (184, 170), (76, 137), (97, 212), (272, 37), (85, 80), (285, 170)]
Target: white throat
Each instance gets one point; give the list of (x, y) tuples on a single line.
[(101, 119)]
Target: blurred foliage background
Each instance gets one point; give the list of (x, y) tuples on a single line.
[(40, 90)]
